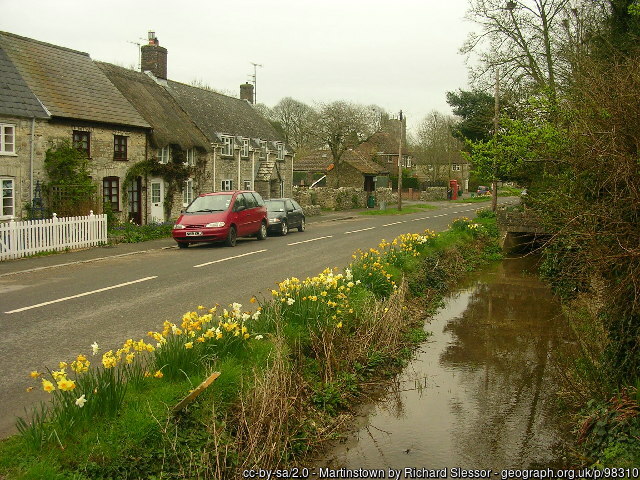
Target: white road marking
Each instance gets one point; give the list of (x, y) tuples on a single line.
[(361, 230), (394, 223), (311, 240), (229, 258), (418, 219), (81, 294)]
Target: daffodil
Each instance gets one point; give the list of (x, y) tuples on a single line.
[(34, 374), (188, 345), (66, 385), (95, 348), (81, 400), (47, 386)]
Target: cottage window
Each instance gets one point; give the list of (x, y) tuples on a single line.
[(227, 146), (280, 151), (187, 192), (7, 139), (456, 167), (119, 147), (111, 192), (226, 185), (190, 157), (164, 154), (247, 185), (8, 198), (263, 149), (245, 147), (82, 141)]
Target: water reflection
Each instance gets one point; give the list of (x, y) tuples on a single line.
[(480, 394)]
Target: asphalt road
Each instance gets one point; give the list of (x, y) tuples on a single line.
[(52, 314)]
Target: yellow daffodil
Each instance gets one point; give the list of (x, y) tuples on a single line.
[(47, 386)]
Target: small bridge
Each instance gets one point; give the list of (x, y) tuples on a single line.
[(520, 230)]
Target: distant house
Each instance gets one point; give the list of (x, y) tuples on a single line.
[(384, 148), (61, 94), (356, 170), (246, 151)]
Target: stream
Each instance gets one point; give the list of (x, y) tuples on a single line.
[(480, 393)]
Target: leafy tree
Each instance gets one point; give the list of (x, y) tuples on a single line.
[(475, 109)]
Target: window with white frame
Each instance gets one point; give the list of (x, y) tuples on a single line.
[(263, 149), (408, 162), (280, 151), (227, 145), (456, 167), (8, 198), (245, 147), (7, 139), (187, 192), (190, 157), (226, 185), (247, 185), (164, 154)]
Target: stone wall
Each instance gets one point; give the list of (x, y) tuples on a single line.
[(343, 198), (48, 134), (433, 194)]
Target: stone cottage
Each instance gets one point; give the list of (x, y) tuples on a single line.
[(58, 94)]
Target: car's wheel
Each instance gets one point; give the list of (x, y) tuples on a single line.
[(284, 228), (183, 244), (262, 233), (232, 236), (302, 225)]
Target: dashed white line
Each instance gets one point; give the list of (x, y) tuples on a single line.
[(228, 258), (394, 223), (361, 230), (418, 219), (310, 240), (81, 294)]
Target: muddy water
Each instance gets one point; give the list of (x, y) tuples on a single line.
[(480, 392)]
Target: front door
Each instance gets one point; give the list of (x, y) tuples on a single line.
[(157, 200), (134, 192)]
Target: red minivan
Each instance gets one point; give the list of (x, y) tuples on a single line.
[(222, 217)]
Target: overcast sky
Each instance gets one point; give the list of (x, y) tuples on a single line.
[(400, 54)]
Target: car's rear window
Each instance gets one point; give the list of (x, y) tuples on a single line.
[(275, 205), (210, 203)]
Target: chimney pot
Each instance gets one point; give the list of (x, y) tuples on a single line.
[(154, 57)]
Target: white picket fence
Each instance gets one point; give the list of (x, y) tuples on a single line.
[(19, 239)]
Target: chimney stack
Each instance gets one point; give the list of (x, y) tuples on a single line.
[(246, 92), (154, 57)]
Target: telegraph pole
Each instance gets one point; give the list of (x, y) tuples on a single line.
[(400, 167), (255, 81)]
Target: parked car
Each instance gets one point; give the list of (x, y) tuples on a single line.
[(285, 214), (482, 190), (222, 217)]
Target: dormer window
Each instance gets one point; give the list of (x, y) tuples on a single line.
[(164, 155), (263, 149), (227, 146), (280, 151), (245, 147)]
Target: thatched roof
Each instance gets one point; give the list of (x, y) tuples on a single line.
[(217, 114), (171, 125), (68, 83)]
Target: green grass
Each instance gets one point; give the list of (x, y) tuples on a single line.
[(395, 211), (480, 199)]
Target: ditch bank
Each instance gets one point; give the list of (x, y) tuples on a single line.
[(291, 372)]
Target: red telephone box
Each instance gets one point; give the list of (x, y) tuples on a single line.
[(453, 188)]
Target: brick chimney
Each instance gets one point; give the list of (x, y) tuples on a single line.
[(154, 57), (246, 92)]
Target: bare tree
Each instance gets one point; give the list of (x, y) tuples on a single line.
[(522, 38), (296, 120), (343, 125), (435, 144)]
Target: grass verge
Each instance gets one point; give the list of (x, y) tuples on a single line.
[(291, 371), (395, 211)]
